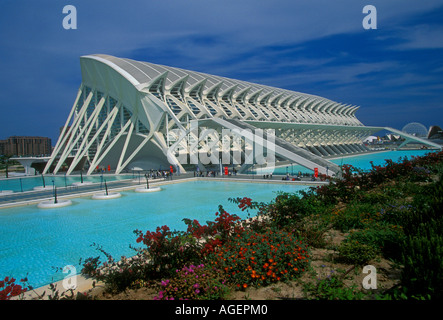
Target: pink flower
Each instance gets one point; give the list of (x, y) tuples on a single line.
[(160, 296), (165, 283)]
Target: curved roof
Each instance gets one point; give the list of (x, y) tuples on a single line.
[(143, 72), (258, 102)]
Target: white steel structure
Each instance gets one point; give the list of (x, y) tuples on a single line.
[(129, 114)]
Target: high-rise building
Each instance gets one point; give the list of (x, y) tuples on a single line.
[(26, 146)]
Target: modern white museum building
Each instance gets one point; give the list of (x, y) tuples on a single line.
[(133, 115)]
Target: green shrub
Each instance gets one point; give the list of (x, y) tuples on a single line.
[(289, 208), (343, 189), (168, 250), (194, 283), (354, 216), (423, 263), (396, 214), (354, 252), (119, 275), (422, 250), (90, 266), (312, 230), (259, 259), (332, 288), (384, 238), (376, 197)]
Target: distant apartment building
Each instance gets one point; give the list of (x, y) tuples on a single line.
[(25, 146)]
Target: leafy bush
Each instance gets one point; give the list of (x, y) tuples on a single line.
[(168, 250), (332, 288), (422, 250), (194, 283), (354, 216), (352, 251), (376, 196), (354, 181), (342, 189), (290, 208), (384, 238), (423, 264), (224, 225), (258, 259), (118, 275), (311, 229), (396, 214), (165, 250), (90, 266)]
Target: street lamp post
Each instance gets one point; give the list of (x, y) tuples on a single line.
[(6, 162), (147, 182), (54, 191), (106, 187)]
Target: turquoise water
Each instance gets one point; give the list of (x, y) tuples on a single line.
[(28, 183), (37, 241), (361, 161)]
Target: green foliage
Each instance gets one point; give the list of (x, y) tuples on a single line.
[(344, 189), (401, 293), (378, 196), (312, 230), (332, 288), (355, 182), (90, 266), (119, 275), (383, 238), (168, 250), (258, 259), (354, 216), (423, 263), (289, 208), (422, 250), (354, 252), (194, 283)]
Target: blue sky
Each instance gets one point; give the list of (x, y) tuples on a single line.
[(395, 73)]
